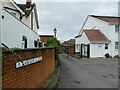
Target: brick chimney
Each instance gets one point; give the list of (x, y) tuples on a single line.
[(28, 3)]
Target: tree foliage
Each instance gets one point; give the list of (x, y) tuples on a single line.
[(55, 43)]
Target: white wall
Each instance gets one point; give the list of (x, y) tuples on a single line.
[(108, 30), (26, 20), (80, 40), (13, 30), (77, 45), (7, 3), (0, 21), (34, 22), (96, 50)]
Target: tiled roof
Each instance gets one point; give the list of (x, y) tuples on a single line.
[(109, 19), (95, 36), (71, 42), (28, 11), (46, 35)]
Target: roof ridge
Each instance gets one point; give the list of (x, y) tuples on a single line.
[(104, 16), (22, 7), (90, 29)]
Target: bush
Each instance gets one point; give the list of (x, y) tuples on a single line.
[(116, 56), (107, 55), (56, 43)]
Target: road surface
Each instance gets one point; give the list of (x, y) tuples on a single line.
[(88, 73)]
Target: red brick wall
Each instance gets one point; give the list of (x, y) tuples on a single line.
[(44, 38), (71, 50), (31, 76)]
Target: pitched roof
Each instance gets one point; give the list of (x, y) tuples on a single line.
[(23, 8), (46, 35), (77, 36), (110, 19), (28, 12), (71, 42), (95, 36)]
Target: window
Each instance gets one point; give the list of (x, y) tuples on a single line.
[(44, 44), (39, 44), (35, 43), (116, 45), (106, 46), (24, 42), (77, 46), (116, 28)]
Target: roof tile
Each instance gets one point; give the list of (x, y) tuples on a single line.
[(95, 36), (109, 19)]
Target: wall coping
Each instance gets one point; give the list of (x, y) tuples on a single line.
[(28, 49)]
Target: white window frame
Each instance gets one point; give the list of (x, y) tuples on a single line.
[(106, 45), (44, 44), (116, 45), (117, 28)]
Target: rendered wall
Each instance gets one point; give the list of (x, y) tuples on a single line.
[(13, 30)]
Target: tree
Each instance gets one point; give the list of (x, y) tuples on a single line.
[(55, 43)]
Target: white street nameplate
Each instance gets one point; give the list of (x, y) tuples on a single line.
[(28, 62)]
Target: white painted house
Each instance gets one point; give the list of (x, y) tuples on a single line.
[(19, 25), (101, 33)]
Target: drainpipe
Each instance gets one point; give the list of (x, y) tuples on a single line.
[(28, 3)]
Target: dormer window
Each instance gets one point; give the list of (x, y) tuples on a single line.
[(116, 28)]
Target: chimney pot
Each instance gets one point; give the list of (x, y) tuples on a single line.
[(28, 3)]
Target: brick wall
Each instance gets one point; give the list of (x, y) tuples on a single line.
[(31, 76), (71, 50)]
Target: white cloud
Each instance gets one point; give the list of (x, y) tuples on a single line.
[(69, 16), (22, 1)]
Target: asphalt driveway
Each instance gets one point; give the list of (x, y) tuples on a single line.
[(88, 73)]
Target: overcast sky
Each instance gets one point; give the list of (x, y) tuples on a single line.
[(68, 17)]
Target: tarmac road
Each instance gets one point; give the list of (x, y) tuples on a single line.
[(88, 73)]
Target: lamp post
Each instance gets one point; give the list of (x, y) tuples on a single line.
[(55, 31)]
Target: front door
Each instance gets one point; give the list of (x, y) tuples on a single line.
[(99, 51)]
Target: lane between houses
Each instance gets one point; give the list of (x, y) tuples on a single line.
[(86, 73)]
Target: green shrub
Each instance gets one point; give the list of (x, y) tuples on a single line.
[(56, 43), (107, 55), (116, 56)]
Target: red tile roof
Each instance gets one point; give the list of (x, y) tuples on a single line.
[(96, 36), (71, 42), (108, 18), (46, 35), (44, 38)]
